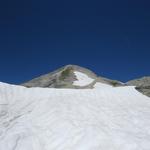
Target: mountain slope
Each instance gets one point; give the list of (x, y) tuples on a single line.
[(70, 76), (76, 77), (142, 85), (102, 118)]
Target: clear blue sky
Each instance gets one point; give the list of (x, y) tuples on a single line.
[(110, 37)]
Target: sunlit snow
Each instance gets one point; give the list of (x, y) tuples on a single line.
[(82, 79), (102, 85), (68, 119)]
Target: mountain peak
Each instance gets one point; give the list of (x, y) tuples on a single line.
[(70, 76)]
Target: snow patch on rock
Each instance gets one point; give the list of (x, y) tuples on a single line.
[(101, 85), (82, 79)]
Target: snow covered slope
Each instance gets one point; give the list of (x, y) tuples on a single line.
[(82, 79), (103, 118)]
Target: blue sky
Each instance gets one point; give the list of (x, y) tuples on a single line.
[(110, 37)]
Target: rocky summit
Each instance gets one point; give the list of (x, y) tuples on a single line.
[(68, 76)]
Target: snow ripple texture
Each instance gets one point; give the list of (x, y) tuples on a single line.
[(65, 119)]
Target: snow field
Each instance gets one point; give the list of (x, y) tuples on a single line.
[(104, 118)]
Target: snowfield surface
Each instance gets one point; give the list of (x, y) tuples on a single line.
[(82, 79), (101, 85), (70, 119)]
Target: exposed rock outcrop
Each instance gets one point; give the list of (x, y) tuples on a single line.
[(65, 77), (142, 85)]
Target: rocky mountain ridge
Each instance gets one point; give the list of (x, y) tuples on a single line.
[(66, 76)]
